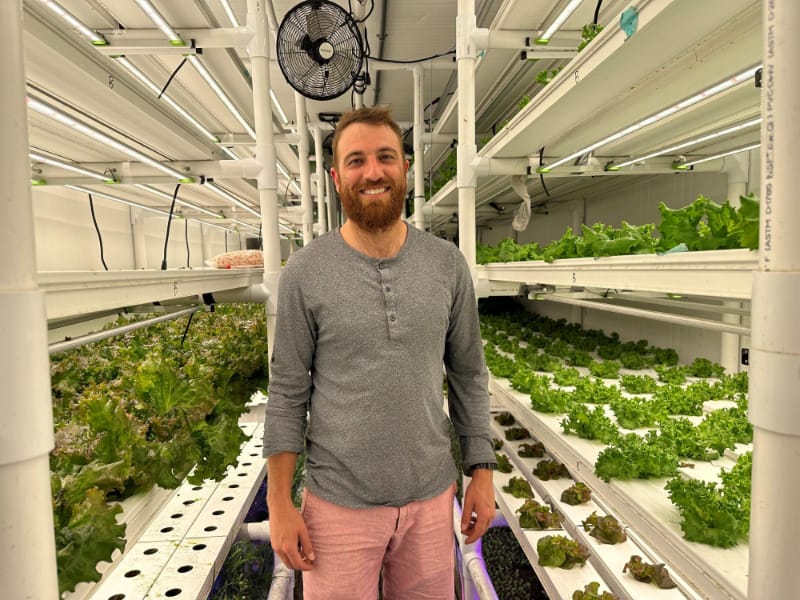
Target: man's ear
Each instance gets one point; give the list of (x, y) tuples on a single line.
[(335, 176)]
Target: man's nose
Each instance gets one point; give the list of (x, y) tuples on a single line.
[(373, 169)]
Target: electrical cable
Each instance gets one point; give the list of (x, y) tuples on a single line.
[(186, 330), (597, 11), (416, 60), (171, 77), (186, 237), (541, 175), (169, 222), (97, 229), (371, 8)]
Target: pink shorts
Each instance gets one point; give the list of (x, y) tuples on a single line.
[(414, 544)]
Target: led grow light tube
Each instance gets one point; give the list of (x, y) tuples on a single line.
[(230, 198), (278, 107), (155, 89), (167, 196), (204, 73), (559, 21), (160, 22), (229, 11), (63, 165), (682, 105), (715, 156), (243, 223), (79, 188), (96, 39), (288, 176), (52, 112), (691, 142)]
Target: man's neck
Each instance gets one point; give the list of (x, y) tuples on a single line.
[(377, 244)]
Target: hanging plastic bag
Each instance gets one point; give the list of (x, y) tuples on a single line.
[(523, 213)]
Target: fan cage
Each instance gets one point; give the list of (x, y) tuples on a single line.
[(307, 35)]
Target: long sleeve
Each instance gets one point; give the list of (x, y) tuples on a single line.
[(467, 377), (292, 356)]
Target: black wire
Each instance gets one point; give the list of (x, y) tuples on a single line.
[(186, 330), (371, 8), (416, 60), (171, 77), (226, 240), (260, 239), (597, 11), (97, 229), (186, 236), (169, 222), (541, 175)]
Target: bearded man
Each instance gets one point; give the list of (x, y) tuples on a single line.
[(367, 316)]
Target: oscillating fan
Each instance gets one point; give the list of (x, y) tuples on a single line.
[(319, 49)]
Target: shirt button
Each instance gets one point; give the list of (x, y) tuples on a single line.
[(392, 318), (381, 266), (388, 289)]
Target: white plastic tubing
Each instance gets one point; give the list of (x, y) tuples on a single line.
[(27, 543), (475, 579), (774, 398), (466, 179), (305, 168), (257, 21)]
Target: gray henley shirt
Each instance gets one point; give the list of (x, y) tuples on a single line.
[(356, 370)]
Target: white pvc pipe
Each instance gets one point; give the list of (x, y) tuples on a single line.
[(466, 179), (320, 169), (476, 580), (265, 154), (650, 314), (731, 343), (419, 156), (305, 169), (774, 395), (138, 238), (27, 542), (282, 585), (109, 333)]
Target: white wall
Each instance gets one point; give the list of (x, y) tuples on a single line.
[(66, 239)]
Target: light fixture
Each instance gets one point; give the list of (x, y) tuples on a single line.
[(558, 22), (229, 11), (63, 165), (229, 151), (715, 156), (692, 142), (79, 188), (244, 224), (168, 197), (52, 112), (204, 73), (160, 22), (95, 38), (283, 170), (209, 184), (154, 88), (683, 104)]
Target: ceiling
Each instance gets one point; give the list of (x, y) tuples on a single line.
[(113, 89)]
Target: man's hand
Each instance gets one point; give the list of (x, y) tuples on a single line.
[(289, 537), (478, 510)]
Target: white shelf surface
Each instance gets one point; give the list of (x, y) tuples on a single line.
[(607, 560), (180, 549), (643, 505), (71, 293), (713, 273)]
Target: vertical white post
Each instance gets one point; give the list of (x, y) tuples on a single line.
[(265, 155), (466, 179), (775, 346), (27, 542), (419, 157), (137, 234), (305, 169), (320, 168), (736, 169)]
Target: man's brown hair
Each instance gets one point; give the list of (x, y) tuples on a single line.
[(371, 115)]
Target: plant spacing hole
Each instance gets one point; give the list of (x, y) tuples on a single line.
[(133, 573)]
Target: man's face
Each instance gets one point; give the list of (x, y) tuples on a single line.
[(371, 175)]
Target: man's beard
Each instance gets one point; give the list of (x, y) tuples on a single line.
[(376, 215)]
